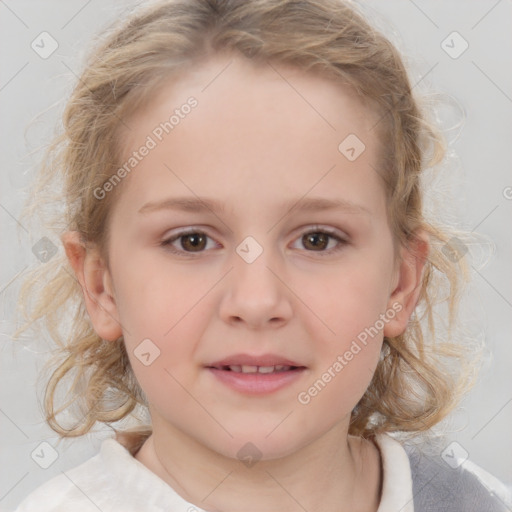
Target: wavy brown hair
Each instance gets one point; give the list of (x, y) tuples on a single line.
[(421, 373)]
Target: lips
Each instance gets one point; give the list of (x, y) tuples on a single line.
[(256, 374), (246, 363), (256, 369)]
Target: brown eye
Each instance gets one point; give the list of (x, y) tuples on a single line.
[(193, 242), (188, 243), (316, 241), (322, 241)]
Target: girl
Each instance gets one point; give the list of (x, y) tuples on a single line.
[(248, 258)]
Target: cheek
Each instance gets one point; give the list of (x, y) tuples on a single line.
[(345, 362), (333, 392), (351, 303), (161, 343), (168, 305), (154, 296), (351, 296)]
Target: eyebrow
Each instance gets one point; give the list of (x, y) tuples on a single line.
[(204, 204)]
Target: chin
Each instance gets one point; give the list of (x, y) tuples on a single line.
[(252, 447)]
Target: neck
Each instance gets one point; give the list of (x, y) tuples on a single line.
[(334, 473)]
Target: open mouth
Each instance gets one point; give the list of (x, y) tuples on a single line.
[(278, 368), (256, 374), (254, 379)]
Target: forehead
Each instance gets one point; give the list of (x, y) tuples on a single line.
[(232, 83), (267, 129)]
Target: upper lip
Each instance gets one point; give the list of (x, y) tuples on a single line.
[(254, 360)]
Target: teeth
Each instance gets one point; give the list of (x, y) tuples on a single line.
[(266, 369), (258, 369)]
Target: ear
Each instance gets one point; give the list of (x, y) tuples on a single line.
[(96, 282), (407, 284)]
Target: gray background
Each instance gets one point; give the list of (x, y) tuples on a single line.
[(478, 83)]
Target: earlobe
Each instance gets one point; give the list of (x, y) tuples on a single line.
[(405, 295), (95, 280)]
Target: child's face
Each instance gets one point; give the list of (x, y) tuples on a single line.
[(256, 143)]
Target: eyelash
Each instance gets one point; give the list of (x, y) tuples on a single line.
[(167, 244)]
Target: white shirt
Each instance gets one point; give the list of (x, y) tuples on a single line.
[(114, 481)]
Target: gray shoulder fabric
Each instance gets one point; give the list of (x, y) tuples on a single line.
[(437, 487)]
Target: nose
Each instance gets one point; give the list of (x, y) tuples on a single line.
[(255, 294)]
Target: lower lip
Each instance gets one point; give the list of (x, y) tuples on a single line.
[(257, 383)]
